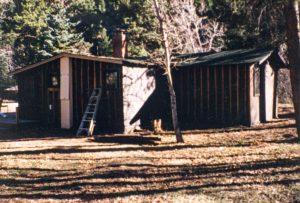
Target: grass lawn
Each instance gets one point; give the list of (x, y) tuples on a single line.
[(260, 164)]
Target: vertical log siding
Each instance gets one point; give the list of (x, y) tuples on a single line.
[(88, 75), (213, 94)]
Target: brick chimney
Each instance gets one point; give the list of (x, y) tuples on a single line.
[(119, 44)]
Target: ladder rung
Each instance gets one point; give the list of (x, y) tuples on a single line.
[(87, 119)]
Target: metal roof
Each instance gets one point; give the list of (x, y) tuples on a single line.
[(241, 56)]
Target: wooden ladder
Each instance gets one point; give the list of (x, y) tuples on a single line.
[(88, 121)]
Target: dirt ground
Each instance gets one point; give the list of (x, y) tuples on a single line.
[(260, 164)]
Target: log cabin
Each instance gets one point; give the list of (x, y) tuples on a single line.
[(56, 91), (229, 87), (236, 87)]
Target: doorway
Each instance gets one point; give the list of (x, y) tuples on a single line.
[(110, 109), (53, 104)]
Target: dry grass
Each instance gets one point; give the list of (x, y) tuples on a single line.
[(261, 164)]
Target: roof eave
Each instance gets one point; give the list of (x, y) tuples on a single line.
[(70, 55), (265, 58)]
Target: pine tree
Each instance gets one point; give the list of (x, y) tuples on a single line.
[(5, 56), (41, 29), (60, 36), (137, 18), (27, 26), (89, 18)]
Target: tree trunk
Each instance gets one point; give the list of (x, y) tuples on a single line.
[(176, 127), (292, 25), (167, 65)]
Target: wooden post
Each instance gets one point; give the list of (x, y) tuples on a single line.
[(66, 94), (88, 78), (230, 91), (101, 75), (76, 89), (81, 86), (188, 89), (216, 92), (95, 78), (237, 93), (245, 93), (195, 94), (43, 91), (208, 95), (222, 93), (156, 126), (181, 97), (201, 93)]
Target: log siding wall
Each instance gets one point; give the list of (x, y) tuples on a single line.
[(34, 96), (88, 75), (213, 94)]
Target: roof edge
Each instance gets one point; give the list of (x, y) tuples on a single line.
[(114, 60)]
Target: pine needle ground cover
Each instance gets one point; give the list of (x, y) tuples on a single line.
[(260, 164)]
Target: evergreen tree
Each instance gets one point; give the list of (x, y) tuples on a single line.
[(100, 18), (5, 56), (137, 18), (41, 29), (27, 29), (90, 16), (60, 36)]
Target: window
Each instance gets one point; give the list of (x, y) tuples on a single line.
[(54, 81), (112, 79), (256, 78)]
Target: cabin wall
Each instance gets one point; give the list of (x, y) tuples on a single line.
[(88, 75), (212, 95), (254, 97), (28, 95), (138, 85), (269, 77), (37, 100)]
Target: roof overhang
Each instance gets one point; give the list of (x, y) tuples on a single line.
[(230, 57), (105, 59)]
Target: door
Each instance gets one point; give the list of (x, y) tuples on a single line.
[(267, 94), (109, 115), (53, 115)]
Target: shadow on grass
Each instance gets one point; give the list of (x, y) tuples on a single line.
[(238, 129), (39, 133), (144, 181), (286, 139), (71, 150), (288, 115), (127, 139)]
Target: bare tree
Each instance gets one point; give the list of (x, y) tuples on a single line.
[(187, 31), (184, 31)]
